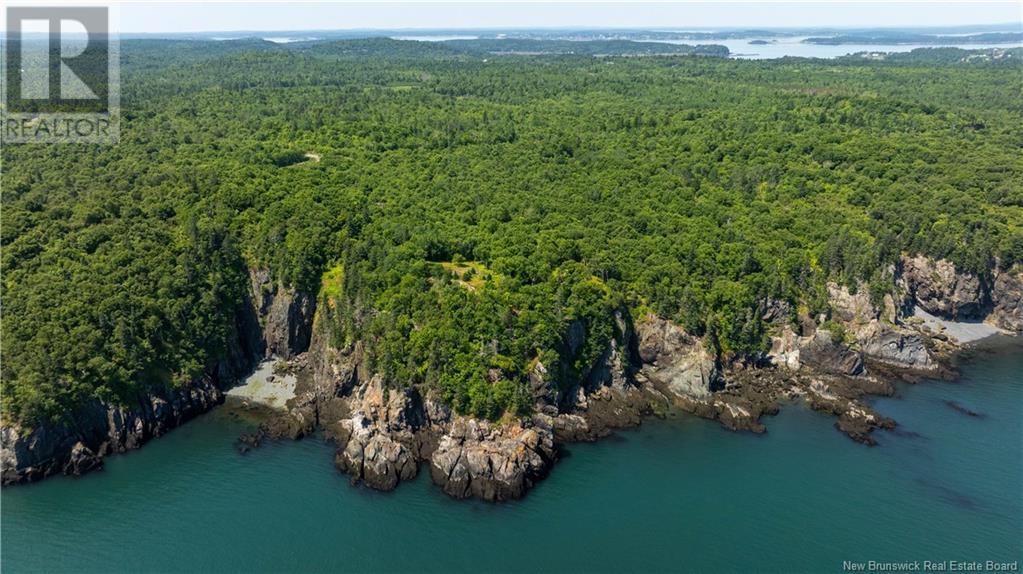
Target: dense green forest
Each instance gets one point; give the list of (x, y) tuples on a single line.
[(466, 208)]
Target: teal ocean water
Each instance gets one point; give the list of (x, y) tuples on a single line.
[(680, 494)]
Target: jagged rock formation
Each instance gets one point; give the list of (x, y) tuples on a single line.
[(379, 435), (879, 336), (818, 351), (676, 359), (939, 288), (384, 431), (492, 461), (79, 442), (1007, 297), (285, 314)]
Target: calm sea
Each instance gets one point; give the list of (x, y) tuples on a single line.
[(680, 494)]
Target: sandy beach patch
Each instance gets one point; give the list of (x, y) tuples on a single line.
[(266, 387), (964, 332)]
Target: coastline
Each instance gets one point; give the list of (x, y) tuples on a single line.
[(265, 386), (384, 433), (637, 501)]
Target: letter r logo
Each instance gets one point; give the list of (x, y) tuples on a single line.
[(58, 58)]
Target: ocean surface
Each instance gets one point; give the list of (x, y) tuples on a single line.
[(738, 47), (782, 47), (680, 494)]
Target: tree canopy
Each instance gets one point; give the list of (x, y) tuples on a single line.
[(466, 209)]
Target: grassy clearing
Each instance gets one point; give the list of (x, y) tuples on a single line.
[(469, 274), (332, 283)]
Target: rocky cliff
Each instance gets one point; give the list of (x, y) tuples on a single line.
[(1007, 300), (385, 430), (384, 433), (938, 287), (676, 359), (79, 442), (285, 314), (877, 331), (273, 320)]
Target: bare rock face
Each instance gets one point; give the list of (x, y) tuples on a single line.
[(676, 359), (898, 348), (78, 445), (378, 439), (375, 458), (546, 394), (492, 461), (286, 315), (1007, 297), (31, 454), (784, 350), (940, 289), (879, 337), (854, 310), (82, 460), (819, 352), (611, 370), (384, 433)]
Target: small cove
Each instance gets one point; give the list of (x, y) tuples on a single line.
[(680, 494)]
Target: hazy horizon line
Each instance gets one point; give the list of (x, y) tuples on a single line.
[(569, 28)]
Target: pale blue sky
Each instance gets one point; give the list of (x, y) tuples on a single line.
[(196, 16)]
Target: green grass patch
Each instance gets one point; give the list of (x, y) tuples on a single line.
[(472, 275), (332, 283)]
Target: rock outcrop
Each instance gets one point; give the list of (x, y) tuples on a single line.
[(897, 348), (492, 461), (384, 431), (285, 315), (942, 290), (1007, 298), (676, 359), (79, 443), (379, 435), (819, 351), (383, 434), (877, 333)]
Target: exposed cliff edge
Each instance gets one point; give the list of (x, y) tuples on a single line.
[(1007, 299), (285, 314), (649, 365), (271, 320), (385, 432)]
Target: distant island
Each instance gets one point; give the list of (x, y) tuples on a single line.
[(909, 38)]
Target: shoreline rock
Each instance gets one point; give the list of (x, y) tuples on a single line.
[(383, 432), (79, 442)]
